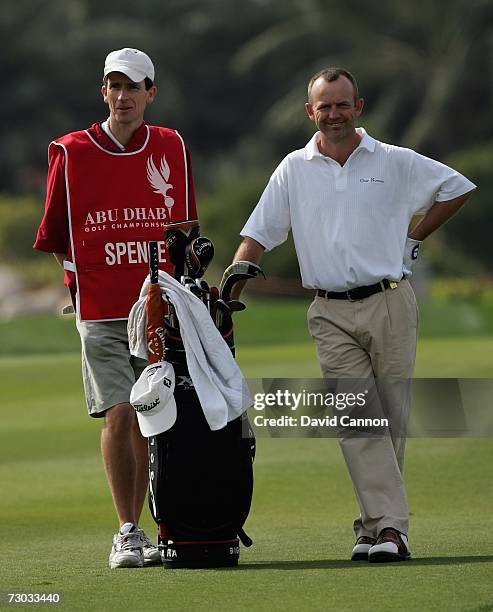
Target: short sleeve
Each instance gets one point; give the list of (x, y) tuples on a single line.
[(270, 221), (432, 181), (53, 232)]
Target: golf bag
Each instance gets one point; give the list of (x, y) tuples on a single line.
[(201, 481)]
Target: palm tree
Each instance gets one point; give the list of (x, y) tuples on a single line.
[(415, 62)]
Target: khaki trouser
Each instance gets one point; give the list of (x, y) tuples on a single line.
[(373, 339)]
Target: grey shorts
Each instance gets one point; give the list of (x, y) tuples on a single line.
[(108, 369)]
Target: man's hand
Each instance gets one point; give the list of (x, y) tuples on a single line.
[(410, 255), (249, 250)]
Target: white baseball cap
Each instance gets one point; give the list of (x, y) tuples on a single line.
[(135, 64), (153, 400)]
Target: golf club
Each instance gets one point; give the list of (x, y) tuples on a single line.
[(237, 271)]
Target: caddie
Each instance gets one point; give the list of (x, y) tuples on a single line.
[(111, 188), (349, 200)]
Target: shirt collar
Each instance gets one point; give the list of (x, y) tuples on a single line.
[(367, 142), (106, 129), (134, 144)]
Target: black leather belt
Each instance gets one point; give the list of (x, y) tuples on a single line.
[(358, 293)]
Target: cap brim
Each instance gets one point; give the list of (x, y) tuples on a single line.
[(154, 424), (133, 75)]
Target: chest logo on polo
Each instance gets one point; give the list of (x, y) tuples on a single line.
[(371, 179), (159, 181)]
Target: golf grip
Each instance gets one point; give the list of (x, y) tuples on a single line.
[(154, 309)]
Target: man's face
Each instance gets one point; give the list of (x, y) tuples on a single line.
[(127, 100), (333, 109)]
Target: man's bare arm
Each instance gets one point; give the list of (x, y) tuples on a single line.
[(249, 250), (437, 215)]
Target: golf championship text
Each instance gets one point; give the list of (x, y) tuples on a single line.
[(132, 251)]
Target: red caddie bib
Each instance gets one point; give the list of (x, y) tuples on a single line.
[(117, 203)]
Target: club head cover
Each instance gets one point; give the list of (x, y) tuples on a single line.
[(198, 256), (177, 236)]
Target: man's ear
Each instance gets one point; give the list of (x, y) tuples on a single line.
[(104, 92), (151, 94), (309, 111), (359, 106)]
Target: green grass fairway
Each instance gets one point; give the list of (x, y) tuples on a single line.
[(57, 516), (437, 357), (265, 322)]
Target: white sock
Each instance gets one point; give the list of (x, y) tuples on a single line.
[(127, 528)]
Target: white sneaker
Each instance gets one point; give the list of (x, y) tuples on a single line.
[(127, 550), (150, 550)]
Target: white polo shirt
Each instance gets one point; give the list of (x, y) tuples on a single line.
[(350, 223)]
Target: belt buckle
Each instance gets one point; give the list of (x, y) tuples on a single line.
[(350, 299)]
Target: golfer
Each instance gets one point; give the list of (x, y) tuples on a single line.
[(111, 188), (349, 200)]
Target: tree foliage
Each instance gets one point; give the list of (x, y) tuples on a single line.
[(232, 76)]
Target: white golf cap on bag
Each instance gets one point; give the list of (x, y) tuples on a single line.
[(153, 400)]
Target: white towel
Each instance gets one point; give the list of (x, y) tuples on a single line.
[(137, 329), (218, 381)]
